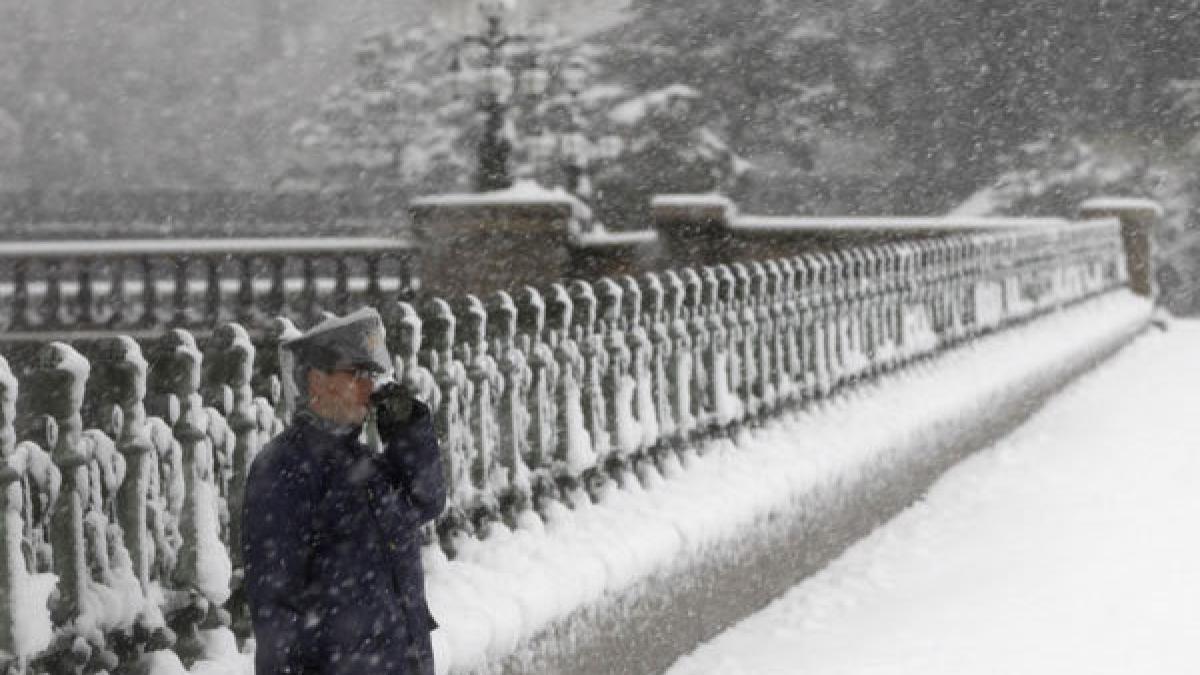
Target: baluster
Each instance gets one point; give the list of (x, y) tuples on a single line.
[(699, 339), (542, 404), (747, 340), (149, 317), (721, 405), (575, 454), (245, 294), (231, 360), (776, 302), (341, 291), (117, 299), (52, 303), (640, 357), (617, 383), (660, 356), (85, 317), (53, 398), (308, 294), (26, 474), (203, 567), (20, 300), (486, 386), (374, 290), (730, 325), (595, 364), (212, 291), (512, 399), (181, 290), (764, 329), (277, 297), (826, 292), (680, 369), (451, 423), (118, 384)]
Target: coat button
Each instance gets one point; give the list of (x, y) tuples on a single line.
[(391, 546)]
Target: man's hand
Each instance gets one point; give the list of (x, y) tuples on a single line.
[(393, 407)]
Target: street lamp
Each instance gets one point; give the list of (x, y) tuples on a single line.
[(502, 79), (495, 87)]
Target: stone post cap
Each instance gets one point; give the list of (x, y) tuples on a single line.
[(1112, 205)]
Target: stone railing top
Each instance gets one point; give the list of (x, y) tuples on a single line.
[(693, 200), (1147, 207), (525, 193), (790, 224), (168, 247), (608, 239)]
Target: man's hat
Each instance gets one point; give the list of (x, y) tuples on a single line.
[(352, 341)]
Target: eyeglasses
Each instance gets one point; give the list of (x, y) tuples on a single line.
[(357, 373)]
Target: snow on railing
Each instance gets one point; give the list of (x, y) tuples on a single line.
[(52, 287), (123, 472)]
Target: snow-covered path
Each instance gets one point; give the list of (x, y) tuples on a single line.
[(1070, 547)]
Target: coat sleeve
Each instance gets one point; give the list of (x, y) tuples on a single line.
[(414, 464), (277, 548)]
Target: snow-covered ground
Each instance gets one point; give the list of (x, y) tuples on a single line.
[(1069, 547)]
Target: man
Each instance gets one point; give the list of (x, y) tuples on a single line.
[(331, 528)]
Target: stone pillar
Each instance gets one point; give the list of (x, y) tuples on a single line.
[(694, 229), (1138, 218), (479, 243)]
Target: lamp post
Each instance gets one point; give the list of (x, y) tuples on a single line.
[(496, 88), (502, 81)]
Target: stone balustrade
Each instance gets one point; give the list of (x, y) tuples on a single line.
[(49, 288), (124, 462)]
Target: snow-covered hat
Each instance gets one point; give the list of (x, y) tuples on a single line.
[(356, 340)]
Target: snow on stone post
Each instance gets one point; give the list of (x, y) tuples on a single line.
[(748, 344), (450, 422), (595, 364), (274, 374), (730, 317), (617, 383), (230, 368), (230, 359), (641, 349), (404, 341), (701, 399), (715, 352), (777, 284), (841, 281), (574, 454), (867, 261), (21, 539), (802, 326), (486, 386), (764, 331), (404, 336), (12, 530), (541, 401), (513, 415), (118, 381), (789, 330), (680, 369), (660, 355), (53, 395), (811, 340), (203, 569), (859, 287)]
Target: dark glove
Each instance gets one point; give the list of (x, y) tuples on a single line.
[(393, 405)]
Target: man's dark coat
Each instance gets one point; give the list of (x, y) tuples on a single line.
[(332, 550)]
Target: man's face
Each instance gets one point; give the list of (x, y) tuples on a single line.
[(340, 396)]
